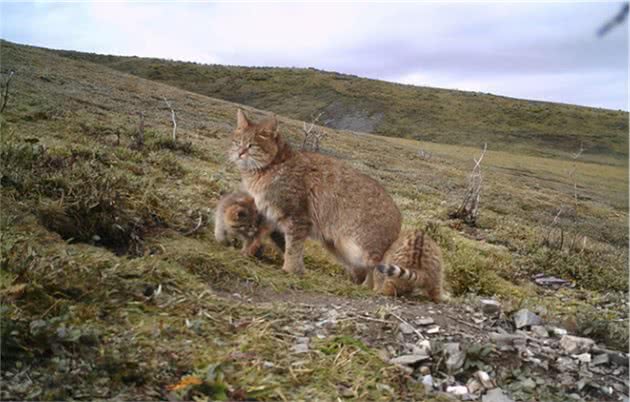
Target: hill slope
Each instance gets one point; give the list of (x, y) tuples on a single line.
[(365, 105), (113, 287)]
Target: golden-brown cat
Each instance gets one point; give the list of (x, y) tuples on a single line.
[(413, 261), (312, 195), (236, 216)]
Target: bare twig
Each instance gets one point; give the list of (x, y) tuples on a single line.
[(138, 142), (312, 134), (4, 91), (196, 227), (469, 208), (172, 118), (410, 326)]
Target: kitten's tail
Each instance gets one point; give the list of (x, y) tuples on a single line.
[(395, 271)]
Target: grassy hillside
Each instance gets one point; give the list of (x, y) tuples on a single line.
[(422, 113), (112, 285)]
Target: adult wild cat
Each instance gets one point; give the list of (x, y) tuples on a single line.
[(308, 194)]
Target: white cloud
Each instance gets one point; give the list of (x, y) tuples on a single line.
[(490, 47)]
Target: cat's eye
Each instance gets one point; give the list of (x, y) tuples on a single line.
[(249, 146)]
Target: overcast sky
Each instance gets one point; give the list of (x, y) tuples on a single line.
[(545, 51)]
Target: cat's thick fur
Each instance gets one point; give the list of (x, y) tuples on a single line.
[(236, 216), (413, 261), (312, 195)]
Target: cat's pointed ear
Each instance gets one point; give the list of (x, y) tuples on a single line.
[(241, 120), (270, 126)]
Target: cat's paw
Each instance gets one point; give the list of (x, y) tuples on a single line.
[(296, 268)]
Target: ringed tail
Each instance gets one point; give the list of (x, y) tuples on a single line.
[(394, 271)]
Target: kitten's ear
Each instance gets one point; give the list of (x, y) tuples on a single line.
[(241, 120), (270, 126)]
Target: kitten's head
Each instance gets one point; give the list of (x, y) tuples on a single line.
[(240, 215), (254, 146)]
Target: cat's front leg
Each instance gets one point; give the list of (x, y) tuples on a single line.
[(295, 236)]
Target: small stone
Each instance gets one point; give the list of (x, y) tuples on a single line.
[(474, 386), (424, 346), (618, 358), (484, 379), (600, 359), (433, 330), (575, 344), (409, 360), (528, 384), (490, 307), (425, 321), (406, 328), (300, 348), (540, 331), (427, 381), (455, 357), (564, 364), (583, 358), (268, 365), (496, 395), (525, 318), (96, 238), (457, 390), (559, 332), (424, 370)]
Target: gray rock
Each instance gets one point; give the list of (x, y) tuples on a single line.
[(583, 358), (433, 330), (300, 348), (409, 360), (425, 321), (528, 384), (496, 395), (427, 381), (490, 307), (618, 358), (455, 357), (406, 328), (540, 331), (484, 379), (575, 344), (600, 359), (558, 331), (474, 386), (565, 364), (525, 318), (459, 390)]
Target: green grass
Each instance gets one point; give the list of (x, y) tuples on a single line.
[(65, 179)]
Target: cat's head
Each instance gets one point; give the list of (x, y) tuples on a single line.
[(254, 146)]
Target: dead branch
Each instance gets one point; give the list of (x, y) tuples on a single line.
[(4, 90), (469, 208), (172, 118), (312, 134), (573, 244), (138, 142)]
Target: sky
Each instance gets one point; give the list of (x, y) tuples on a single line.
[(532, 50)]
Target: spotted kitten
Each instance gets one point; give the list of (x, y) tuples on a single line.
[(236, 216), (413, 261)]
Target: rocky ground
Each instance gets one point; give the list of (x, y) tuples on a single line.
[(475, 351)]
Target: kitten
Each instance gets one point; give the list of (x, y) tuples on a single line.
[(311, 195), (413, 261), (236, 216)]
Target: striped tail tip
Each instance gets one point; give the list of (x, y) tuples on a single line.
[(394, 271)]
